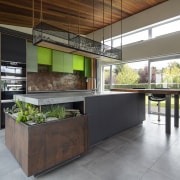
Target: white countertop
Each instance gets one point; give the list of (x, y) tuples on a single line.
[(60, 97)]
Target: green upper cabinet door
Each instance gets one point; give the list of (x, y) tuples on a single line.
[(57, 61), (78, 62), (87, 67), (31, 57), (68, 63), (44, 56), (62, 62)]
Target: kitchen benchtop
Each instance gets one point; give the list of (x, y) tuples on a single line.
[(60, 97)]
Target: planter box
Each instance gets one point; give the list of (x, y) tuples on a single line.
[(40, 147)]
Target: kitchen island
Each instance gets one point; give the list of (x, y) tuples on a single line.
[(40, 147), (108, 112)]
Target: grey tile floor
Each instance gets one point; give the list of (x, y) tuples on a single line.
[(144, 152)]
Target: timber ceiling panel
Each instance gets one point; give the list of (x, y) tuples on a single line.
[(77, 16)]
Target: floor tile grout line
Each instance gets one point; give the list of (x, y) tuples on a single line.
[(150, 168)]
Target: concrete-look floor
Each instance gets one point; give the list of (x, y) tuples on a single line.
[(144, 152)]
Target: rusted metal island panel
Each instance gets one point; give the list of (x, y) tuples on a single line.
[(40, 147)]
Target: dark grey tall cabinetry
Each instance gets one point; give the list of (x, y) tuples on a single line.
[(13, 70), (13, 49)]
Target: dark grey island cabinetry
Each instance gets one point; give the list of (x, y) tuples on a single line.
[(111, 114)]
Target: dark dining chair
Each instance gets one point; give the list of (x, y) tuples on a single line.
[(157, 98)]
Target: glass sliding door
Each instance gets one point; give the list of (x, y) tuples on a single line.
[(164, 73), (130, 75), (106, 79)]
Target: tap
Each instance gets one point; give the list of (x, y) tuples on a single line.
[(93, 83)]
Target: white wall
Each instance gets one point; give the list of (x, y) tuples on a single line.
[(18, 28)]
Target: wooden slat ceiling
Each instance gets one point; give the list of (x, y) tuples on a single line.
[(77, 16)]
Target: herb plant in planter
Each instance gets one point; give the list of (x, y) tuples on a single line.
[(30, 114), (56, 111), (25, 112)]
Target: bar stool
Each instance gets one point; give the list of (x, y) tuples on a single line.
[(157, 98)]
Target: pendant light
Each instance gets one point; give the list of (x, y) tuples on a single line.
[(49, 36)]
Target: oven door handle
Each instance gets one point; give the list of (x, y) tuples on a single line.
[(7, 101)]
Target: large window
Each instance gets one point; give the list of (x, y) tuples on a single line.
[(135, 37), (106, 77), (157, 73), (166, 28), (153, 31), (165, 73), (130, 75)]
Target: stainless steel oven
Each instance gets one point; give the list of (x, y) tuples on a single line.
[(13, 81)]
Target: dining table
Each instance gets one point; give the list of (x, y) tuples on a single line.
[(168, 94)]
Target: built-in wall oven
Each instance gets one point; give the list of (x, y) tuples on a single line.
[(13, 81)]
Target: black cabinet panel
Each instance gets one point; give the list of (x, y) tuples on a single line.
[(4, 105), (13, 49), (98, 109), (111, 114), (5, 95)]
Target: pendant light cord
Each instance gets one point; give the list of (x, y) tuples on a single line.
[(111, 25), (79, 17), (103, 22), (68, 16), (93, 20), (32, 13), (121, 27), (41, 12)]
